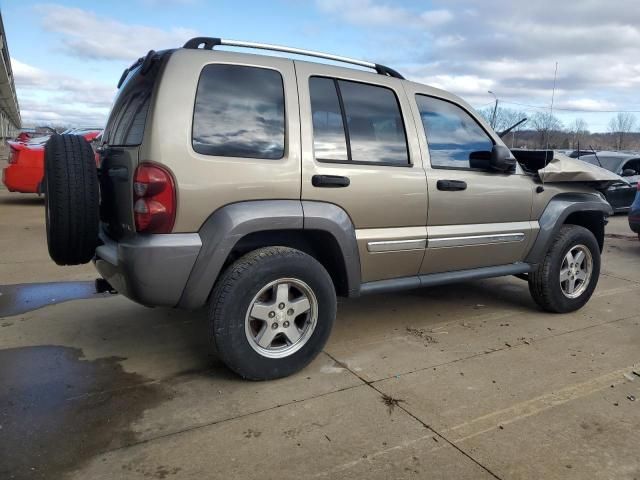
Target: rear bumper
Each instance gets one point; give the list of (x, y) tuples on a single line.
[(149, 269)]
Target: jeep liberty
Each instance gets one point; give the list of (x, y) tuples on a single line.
[(263, 187)]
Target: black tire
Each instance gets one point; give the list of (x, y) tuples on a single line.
[(544, 283), (71, 199), (231, 298)]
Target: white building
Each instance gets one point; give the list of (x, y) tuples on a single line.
[(10, 120)]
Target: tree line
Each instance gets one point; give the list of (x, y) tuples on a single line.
[(545, 130)]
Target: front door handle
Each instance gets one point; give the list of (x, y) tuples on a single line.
[(330, 181), (451, 185)]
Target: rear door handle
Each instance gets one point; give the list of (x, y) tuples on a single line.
[(330, 181), (451, 185)]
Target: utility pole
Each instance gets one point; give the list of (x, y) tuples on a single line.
[(495, 110)]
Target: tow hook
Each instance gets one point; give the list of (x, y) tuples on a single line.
[(102, 286)]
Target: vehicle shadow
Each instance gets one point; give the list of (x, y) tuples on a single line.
[(24, 199), (467, 297)]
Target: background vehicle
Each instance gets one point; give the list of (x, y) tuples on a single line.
[(621, 194), (25, 171), (634, 213), (263, 187), (26, 134)]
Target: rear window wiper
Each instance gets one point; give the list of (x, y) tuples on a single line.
[(146, 62)]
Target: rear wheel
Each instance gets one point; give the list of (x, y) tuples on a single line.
[(567, 277), (271, 312), (71, 199)]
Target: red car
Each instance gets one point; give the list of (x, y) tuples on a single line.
[(26, 162)]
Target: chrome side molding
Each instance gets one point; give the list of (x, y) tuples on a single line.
[(476, 240), (397, 245)]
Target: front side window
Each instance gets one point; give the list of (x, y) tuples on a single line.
[(356, 122), (455, 139), (239, 112), (632, 165)]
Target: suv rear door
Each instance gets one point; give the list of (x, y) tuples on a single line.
[(477, 217), (360, 152), (121, 142)]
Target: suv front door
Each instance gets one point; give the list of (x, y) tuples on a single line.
[(358, 152), (477, 217)]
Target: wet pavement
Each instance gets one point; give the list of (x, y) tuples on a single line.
[(58, 409), (467, 381), (25, 297)]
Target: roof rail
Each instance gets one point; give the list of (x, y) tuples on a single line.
[(209, 43)]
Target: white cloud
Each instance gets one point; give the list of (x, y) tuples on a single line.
[(465, 85), (26, 75), (46, 97), (84, 34), (512, 47), (370, 13)]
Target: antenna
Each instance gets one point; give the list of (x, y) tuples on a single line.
[(594, 152), (553, 95)]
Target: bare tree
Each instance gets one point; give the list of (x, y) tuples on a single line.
[(548, 127), (578, 129), (505, 117), (620, 126)]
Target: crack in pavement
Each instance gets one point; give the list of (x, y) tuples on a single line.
[(428, 427)]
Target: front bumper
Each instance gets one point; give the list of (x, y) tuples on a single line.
[(149, 269)]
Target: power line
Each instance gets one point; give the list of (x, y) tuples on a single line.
[(584, 110)]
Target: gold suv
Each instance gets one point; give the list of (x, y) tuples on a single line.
[(263, 187)]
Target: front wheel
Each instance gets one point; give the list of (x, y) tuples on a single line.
[(567, 277), (271, 312)]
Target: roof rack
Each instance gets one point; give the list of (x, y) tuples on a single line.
[(209, 42)]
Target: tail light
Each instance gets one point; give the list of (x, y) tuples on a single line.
[(638, 186), (154, 199)]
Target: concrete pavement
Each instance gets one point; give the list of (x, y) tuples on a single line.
[(461, 381)]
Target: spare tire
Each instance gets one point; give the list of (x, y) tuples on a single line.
[(71, 199)]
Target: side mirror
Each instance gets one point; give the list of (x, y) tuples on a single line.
[(629, 172), (501, 159)]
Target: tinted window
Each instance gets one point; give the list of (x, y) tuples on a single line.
[(239, 112), (455, 139), (375, 125), (375, 130), (328, 129), (128, 116)]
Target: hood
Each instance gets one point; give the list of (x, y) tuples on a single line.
[(562, 168), (556, 167)]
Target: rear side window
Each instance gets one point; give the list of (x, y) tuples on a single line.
[(455, 139), (356, 122), (239, 112), (328, 129)]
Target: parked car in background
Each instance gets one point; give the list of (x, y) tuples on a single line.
[(27, 134), (622, 194), (89, 133), (25, 171), (634, 213)]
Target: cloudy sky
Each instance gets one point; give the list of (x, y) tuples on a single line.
[(68, 56)]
